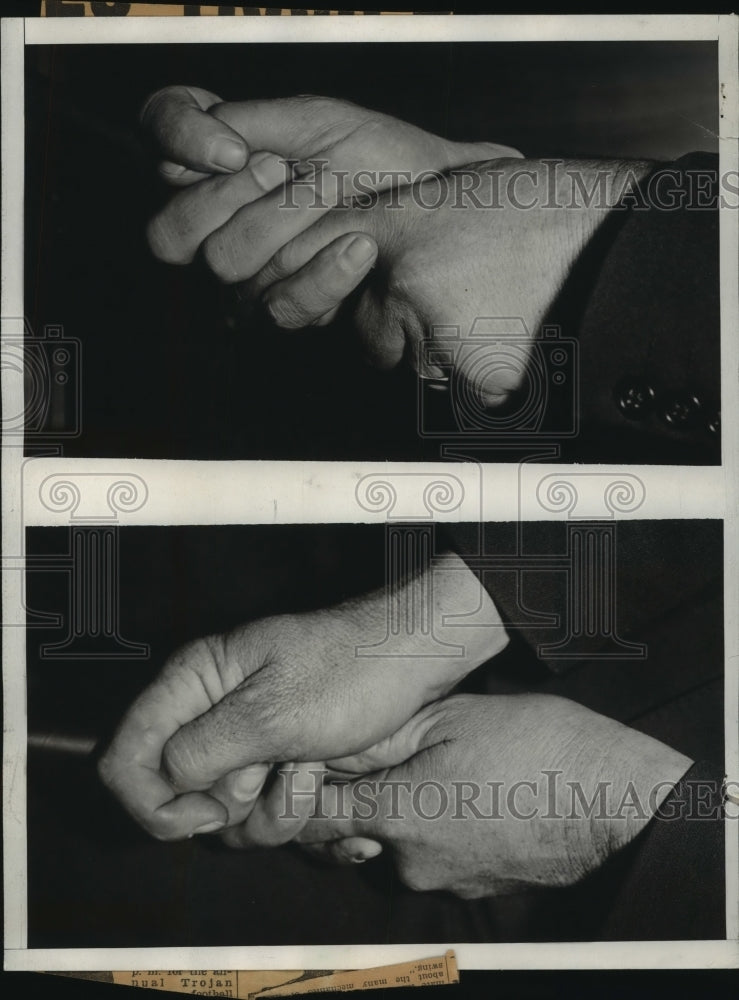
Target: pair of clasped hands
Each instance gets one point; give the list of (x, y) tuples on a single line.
[(259, 734)]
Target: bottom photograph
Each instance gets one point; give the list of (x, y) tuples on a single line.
[(372, 734)]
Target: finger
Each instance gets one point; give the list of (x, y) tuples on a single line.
[(362, 806), (395, 749), (333, 818), (294, 254), (281, 814), (176, 119), (131, 767), (193, 214), (347, 851), (245, 243), (295, 126), (197, 755), (288, 126), (476, 152), (493, 369), (239, 790), (328, 317), (318, 289), (178, 175)]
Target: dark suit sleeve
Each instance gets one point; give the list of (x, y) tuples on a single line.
[(657, 566), (643, 303), (671, 882)]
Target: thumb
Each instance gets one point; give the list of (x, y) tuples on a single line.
[(357, 808), (284, 125), (176, 119), (491, 366), (414, 736), (348, 851), (235, 733), (313, 239)]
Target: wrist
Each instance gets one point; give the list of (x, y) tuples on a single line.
[(647, 773), (437, 625), (544, 213)]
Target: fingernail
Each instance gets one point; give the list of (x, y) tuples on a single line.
[(358, 860), (370, 851), (358, 253), (269, 170), (172, 169), (493, 401), (433, 376), (209, 827), (248, 782), (230, 154)]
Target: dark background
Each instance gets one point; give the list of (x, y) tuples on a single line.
[(162, 374), (96, 880)]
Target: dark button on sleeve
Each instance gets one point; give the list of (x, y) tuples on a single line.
[(713, 424), (682, 411), (634, 398)]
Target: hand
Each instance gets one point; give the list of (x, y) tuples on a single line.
[(246, 144), (428, 793), (443, 262), (193, 751)]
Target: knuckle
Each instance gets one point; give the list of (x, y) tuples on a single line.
[(228, 112), (322, 298), (414, 878), (218, 253), (198, 660), (262, 836), (164, 835), (153, 102), (469, 892), (272, 272), (285, 311), (106, 770), (405, 283), (317, 102), (181, 761), (324, 110), (234, 838), (163, 242), (284, 262)]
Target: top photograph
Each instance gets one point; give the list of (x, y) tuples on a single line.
[(471, 251)]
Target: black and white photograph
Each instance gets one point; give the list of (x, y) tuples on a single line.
[(370, 520), (500, 782), (526, 262)]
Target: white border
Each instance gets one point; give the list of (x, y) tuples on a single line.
[(199, 492), (729, 244), (716, 489), (559, 955), (399, 28), (13, 639)]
